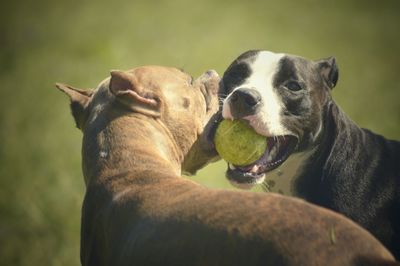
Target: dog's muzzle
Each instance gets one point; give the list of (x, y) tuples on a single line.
[(278, 149), (244, 102)]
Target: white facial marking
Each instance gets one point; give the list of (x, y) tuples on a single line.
[(267, 121)]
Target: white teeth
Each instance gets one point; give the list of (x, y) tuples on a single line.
[(274, 149), (272, 153), (269, 157), (254, 169), (232, 167)]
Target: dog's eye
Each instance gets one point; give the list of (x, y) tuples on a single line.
[(293, 86)]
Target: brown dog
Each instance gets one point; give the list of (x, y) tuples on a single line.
[(138, 127)]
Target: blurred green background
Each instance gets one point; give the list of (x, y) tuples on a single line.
[(78, 42)]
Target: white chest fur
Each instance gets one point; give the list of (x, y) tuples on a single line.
[(282, 178)]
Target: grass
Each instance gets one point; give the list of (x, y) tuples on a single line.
[(79, 42)]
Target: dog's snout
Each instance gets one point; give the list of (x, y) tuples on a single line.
[(246, 97), (244, 102)]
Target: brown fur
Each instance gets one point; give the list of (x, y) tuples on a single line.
[(138, 210)]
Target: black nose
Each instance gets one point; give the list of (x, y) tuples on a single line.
[(244, 102)]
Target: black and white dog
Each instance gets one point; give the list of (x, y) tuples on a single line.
[(314, 150)]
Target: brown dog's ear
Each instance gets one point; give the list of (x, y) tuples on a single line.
[(329, 71), (129, 92), (79, 101)]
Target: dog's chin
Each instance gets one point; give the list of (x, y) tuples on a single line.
[(243, 180), (278, 150)]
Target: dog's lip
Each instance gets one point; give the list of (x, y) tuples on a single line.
[(278, 150), (243, 180)]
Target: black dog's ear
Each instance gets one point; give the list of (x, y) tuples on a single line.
[(329, 71), (79, 101)]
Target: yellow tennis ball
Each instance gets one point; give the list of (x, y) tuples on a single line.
[(238, 143)]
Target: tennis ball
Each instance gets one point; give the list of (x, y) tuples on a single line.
[(238, 143)]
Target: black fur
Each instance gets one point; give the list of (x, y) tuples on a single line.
[(287, 71), (357, 173), (237, 72)]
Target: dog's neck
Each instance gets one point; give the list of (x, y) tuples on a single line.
[(133, 146), (341, 140)]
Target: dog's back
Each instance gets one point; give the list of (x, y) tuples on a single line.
[(176, 222)]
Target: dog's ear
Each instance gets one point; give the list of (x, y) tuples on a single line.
[(128, 91), (329, 71), (79, 101)]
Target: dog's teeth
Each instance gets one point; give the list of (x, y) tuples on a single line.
[(275, 150), (254, 169), (269, 157), (232, 167), (272, 153)]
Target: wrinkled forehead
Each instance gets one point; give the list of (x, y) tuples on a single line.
[(264, 66), (292, 67), (266, 62), (251, 66), (156, 75), (270, 61)]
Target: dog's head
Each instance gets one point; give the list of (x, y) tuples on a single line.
[(181, 104), (282, 97)]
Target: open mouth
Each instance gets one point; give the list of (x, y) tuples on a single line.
[(278, 150)]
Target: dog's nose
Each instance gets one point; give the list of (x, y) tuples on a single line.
[(244, 102), (246, 97)]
